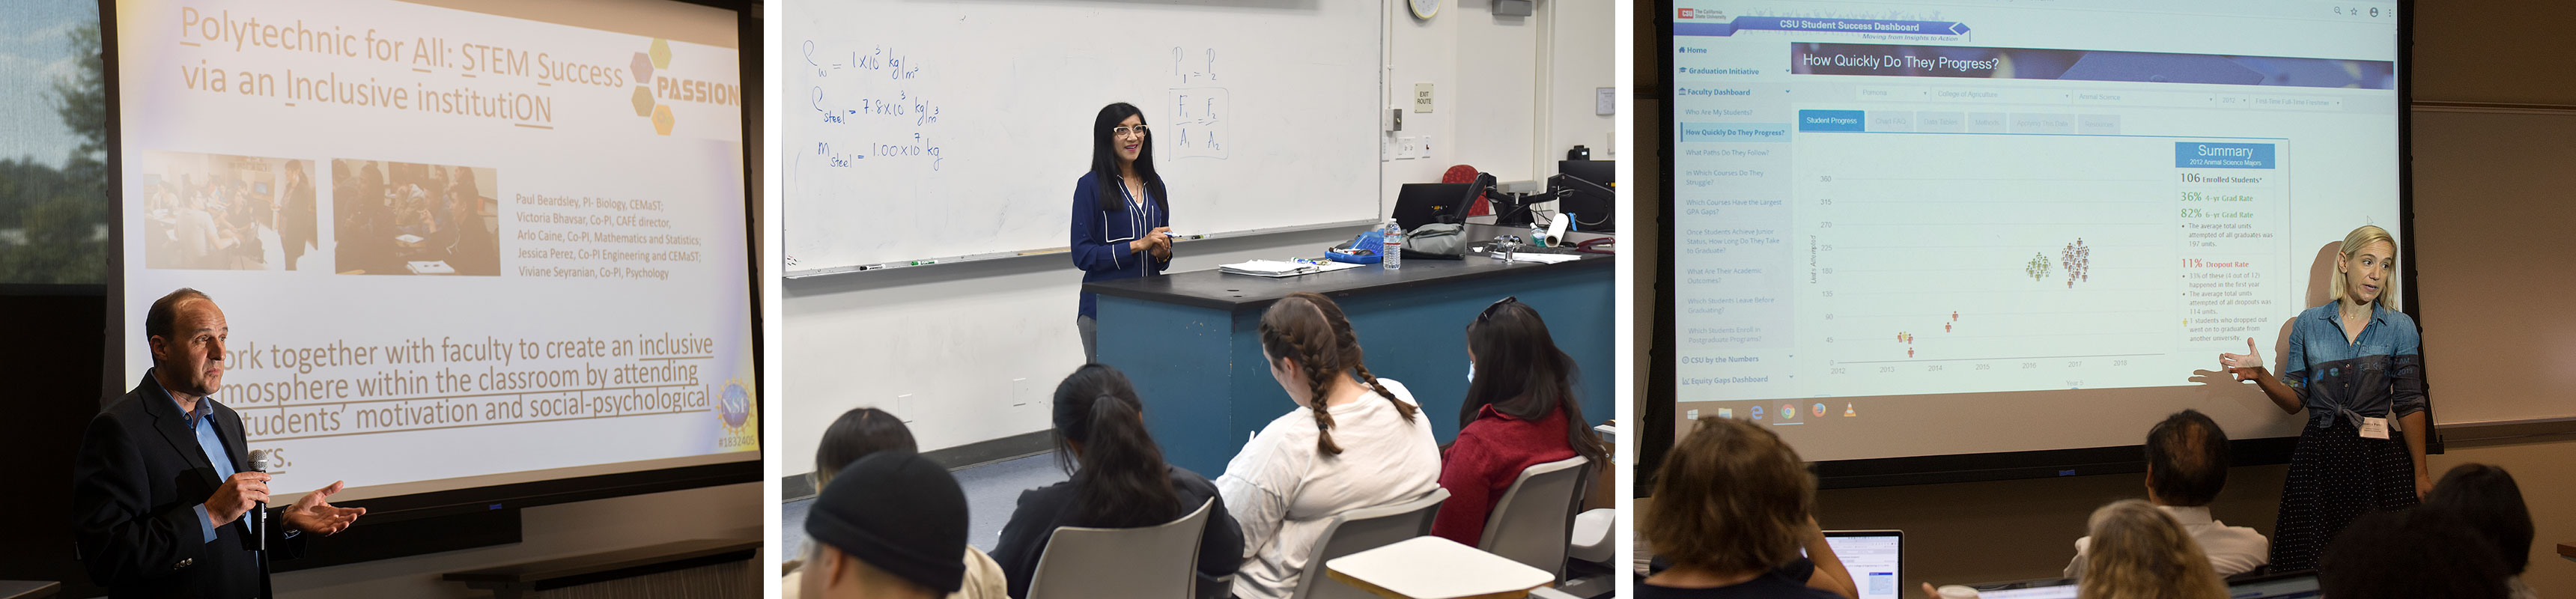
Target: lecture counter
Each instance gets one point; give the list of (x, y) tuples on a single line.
[(1191, 341)]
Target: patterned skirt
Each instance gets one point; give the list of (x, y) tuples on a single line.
[(2335, 477)]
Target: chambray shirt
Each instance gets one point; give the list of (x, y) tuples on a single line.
[(2379, 374)]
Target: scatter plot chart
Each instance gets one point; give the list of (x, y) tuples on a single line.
[(2078, 260)]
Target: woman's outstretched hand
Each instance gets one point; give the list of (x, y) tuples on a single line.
[(2246, 366)]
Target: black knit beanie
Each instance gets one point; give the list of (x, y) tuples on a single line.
[(899, 513)]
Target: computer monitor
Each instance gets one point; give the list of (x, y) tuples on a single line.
[(1597, 171), (1875, 558), (1418, 204), (1583, 188)]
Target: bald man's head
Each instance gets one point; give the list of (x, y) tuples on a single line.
[(2186, 459)]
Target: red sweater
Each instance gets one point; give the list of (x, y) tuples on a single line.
[(1490, 453)]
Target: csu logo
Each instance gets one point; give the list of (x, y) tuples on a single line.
[(654, 94)]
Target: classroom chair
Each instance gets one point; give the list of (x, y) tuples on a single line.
[(1533, 521), (1467, 174), (1152, 561), (1589, 571), (1361, 530)]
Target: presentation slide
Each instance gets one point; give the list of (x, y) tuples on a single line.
[(456, 246), (1935, 228)]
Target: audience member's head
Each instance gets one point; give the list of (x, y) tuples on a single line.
[(1515, 366), (1730, 499), (2186, 460), (2409, 555), (1122, 481), (2486, 498), (857, 434), (890, 525), (1310, 345), (2138, 552)]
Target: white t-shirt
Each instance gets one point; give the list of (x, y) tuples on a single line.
[(1282, 489), (2232, 550)]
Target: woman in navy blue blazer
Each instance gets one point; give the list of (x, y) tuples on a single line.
[(1121, 221)]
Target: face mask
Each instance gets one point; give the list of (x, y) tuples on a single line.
[(1471, 372)]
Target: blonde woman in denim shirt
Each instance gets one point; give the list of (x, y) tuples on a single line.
[(2355, 365)]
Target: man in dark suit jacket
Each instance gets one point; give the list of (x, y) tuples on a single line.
[(164, 483)]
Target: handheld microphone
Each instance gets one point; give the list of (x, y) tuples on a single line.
[(259, 513)]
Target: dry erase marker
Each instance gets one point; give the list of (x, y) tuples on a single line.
[(924, 262)]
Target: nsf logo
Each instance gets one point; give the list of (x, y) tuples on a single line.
[(734, 406)]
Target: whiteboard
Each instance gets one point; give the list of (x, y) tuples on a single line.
[(921, 131)]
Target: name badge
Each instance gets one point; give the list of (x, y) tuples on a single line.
[(2374, 428)]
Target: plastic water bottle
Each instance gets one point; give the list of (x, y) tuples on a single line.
[(1394, 250)]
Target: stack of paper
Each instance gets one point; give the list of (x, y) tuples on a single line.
[(1268, 268), (1540, 258)]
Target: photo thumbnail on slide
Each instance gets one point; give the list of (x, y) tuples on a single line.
[(562, 189), (417, 219), (217, 212)]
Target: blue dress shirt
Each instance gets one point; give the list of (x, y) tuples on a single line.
[(213, 444)]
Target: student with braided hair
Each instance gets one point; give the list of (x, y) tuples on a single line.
[(1355, 441)]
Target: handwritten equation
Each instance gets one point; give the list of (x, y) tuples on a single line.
[(1192, 66), (892, 63), (875, 104), (1197, 118)]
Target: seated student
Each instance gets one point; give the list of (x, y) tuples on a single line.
[(863, 432), (2186, 466), (1122, 482), (2486, 498), (890, 525), (2141, 552), (1733, 507), (1520, 412), (2410, 555), (1355, 441)]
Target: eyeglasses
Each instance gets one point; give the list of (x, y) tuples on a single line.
[(1128, 130), (1489, 310)]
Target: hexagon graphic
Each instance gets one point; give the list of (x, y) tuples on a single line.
[(643, 101), (661, 53), (662, 120), (643, 67)]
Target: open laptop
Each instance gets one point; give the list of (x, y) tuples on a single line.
[(1418, 204), (1875, 558), (2288, 585)]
